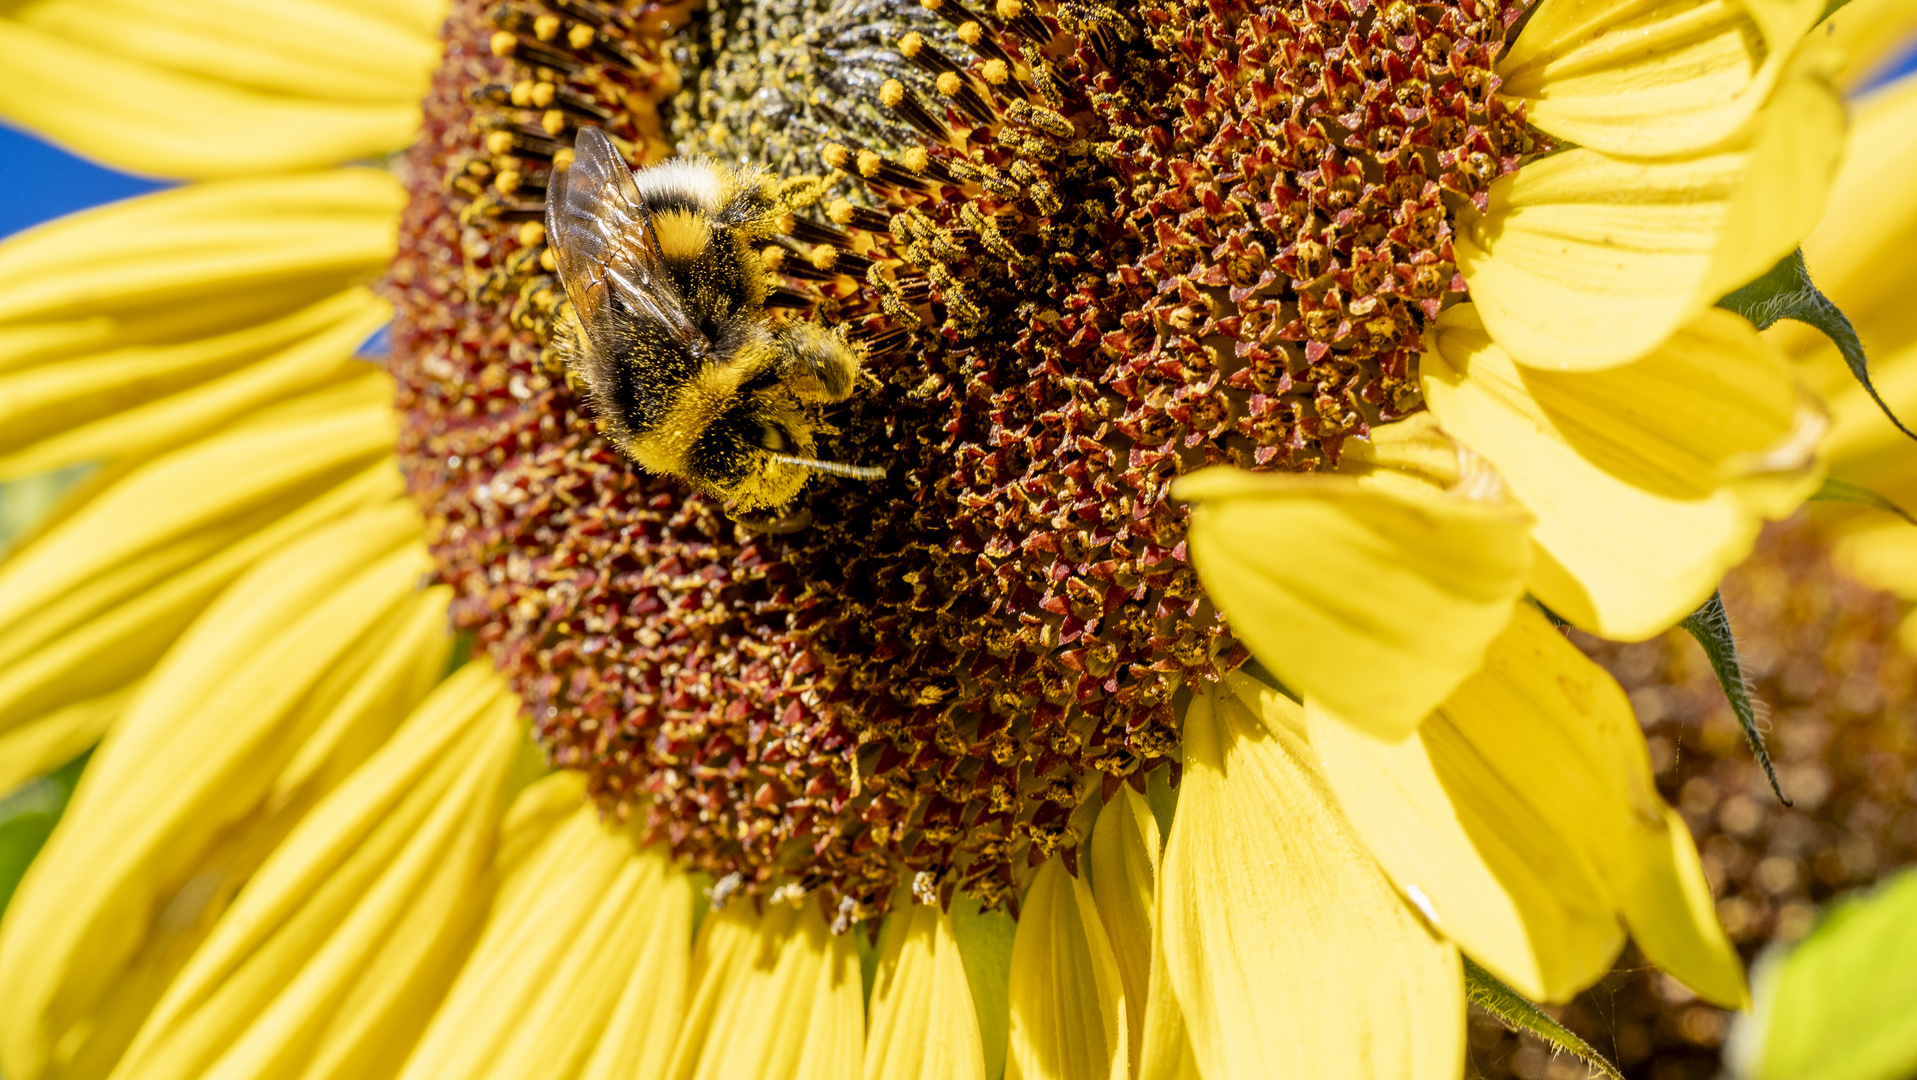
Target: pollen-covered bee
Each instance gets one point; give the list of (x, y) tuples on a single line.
[(669, 335)]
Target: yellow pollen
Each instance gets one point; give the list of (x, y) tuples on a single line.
[(580, 36), (532, 234), (773, 257), (891, 93), (1010, 9), (869, 163), (553, 121), (542, 94), (562, 159), (840, 211), (717, 134), (522, 93), (546, 27), (931, 5), (503, 43), (949, 83), (507, 181), (825, 257), (971, 33), (910, 44), (916, 159), (546, 261), (836, 156), (499, 142), (995, 72)]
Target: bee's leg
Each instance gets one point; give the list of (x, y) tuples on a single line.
[(818, 365)]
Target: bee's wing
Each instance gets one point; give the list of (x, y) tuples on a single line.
[(604, 244)]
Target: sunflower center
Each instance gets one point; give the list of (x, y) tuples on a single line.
[(1085, 250)]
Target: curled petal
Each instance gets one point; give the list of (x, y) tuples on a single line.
[(1648, 480), (1642, 80), (1587, 260), (1374, 601)]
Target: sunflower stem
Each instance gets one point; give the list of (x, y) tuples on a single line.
[(1785, 292), (1519, 1013), (1712, 629), (1835, 490)]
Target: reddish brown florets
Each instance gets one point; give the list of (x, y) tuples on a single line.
[(1124, 246)]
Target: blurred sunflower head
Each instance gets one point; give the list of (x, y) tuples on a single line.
[(1172, 705)]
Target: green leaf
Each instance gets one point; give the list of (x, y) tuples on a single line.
[(1835, 490), (1842, 1005), (1519, 1013), (1712, 629), (27, 818), (1785, 292)]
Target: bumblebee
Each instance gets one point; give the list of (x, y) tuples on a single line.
[(669, 335)]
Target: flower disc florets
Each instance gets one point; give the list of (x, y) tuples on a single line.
[(1087, 249)]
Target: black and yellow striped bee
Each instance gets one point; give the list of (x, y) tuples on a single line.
[(669, 334)]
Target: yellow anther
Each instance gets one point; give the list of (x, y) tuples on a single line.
[(931, 5), (869, 163), (971, 33), (916, 159), (840, 211), (547, 262), (950, 83), (522, 93), (836, 156), (786, 223), (825, 257), (580, 36), (503, 43), (717, 134), (532, 234), (479, 168), (891, 93), (910, 44), (1010, 9), (773, 257), (508, 181), (996, 72), (546, 27), (542, 95), (499, 142), (562, 159), (552, 121)]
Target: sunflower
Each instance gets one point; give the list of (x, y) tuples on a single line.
[(1174, 704)]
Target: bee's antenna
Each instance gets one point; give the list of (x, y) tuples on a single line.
[(854, 472)]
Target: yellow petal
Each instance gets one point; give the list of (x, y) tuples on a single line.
[(1166, 1053), (1124, 871), (1622, 77), (1375, 603), (1636, 473), (308, 235), (587, 932), (149, 118), (1871, 35), (1068, 1004), (139, 401), (298, 49), (1288, 951), (1540, 751), (985, 951), (1585, 260), (334, 952), (922, 1023), (43, 745), (322, 640), (1882, 554), (1510, 893), (1863, 253), (774, 996)]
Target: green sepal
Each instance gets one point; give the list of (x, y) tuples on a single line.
[(1785, 292), (1835, 490), (1712, 629), (1519, 1013), (27, 817)]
